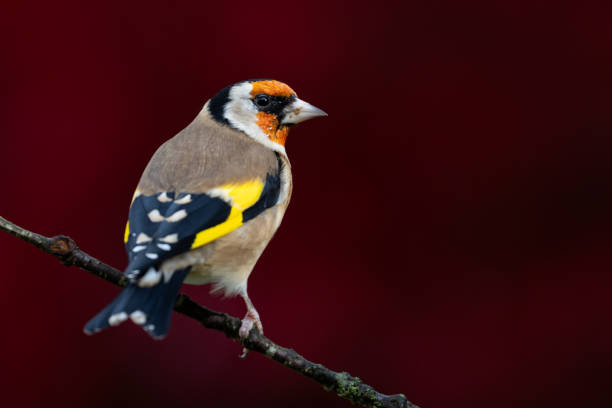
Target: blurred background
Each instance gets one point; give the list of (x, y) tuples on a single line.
[(449, 233)]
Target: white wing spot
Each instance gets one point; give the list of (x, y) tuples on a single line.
[(138, 248), (184, 200), (117, 318), (164, 247), (142, 237), (138, 317), (221, 193), (151, 255), (155, 216), (151, 278), (177, 216), (170, 239), (163, 198)]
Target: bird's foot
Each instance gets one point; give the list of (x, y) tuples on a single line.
[(250, 319)]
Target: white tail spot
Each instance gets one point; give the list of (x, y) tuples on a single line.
[(138, 248), (151, 255), (117, 318), (138, 317), (164, 247)]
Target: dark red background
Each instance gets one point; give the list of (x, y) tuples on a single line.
[(449, 234)]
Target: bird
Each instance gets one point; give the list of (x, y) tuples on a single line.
[(207, 205)]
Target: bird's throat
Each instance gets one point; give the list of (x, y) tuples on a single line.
[(268, 123)]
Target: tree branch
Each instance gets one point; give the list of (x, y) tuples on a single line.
[(345, 385)]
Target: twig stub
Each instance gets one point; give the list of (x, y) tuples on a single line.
[(61, 245)]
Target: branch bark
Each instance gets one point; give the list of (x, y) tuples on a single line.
[(342, 383)]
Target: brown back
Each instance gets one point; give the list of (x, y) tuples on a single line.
[(203, 156)]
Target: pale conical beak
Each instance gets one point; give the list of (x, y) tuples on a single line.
[(299, 111)]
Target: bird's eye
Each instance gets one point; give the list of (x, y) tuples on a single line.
[(262, 100)]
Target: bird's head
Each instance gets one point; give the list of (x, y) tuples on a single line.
[(264, 109)]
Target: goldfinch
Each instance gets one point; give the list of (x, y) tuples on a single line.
[(207, 204)]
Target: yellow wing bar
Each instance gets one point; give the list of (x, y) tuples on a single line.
[(240, 197), (126, 234)]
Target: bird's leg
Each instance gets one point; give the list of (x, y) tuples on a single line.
[(251, 318)]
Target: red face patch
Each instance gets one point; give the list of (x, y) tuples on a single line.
[(268, 123), (272, 88)]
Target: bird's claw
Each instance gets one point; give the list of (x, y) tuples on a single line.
[(250, 319)]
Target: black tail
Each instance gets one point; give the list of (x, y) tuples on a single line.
[(150, 307)]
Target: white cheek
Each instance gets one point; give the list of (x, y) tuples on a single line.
[(240, 111)]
